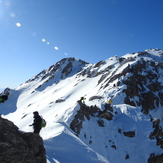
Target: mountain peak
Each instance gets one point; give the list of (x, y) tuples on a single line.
[(60, 70), (132, 82)]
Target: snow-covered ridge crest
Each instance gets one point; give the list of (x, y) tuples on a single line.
[(65, 66)]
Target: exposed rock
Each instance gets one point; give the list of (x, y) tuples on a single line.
[(114, 77), (155, 159), (143, 53), (90, 142), (129, 134), (59, 100), (99, 64), (67, 70), (127, 156), (127, 100), (6, 91), (19, 147), (95, 97), (3, 98), (101, 123), (107, 115), (143, 86), (121, 59), (102, 78), (157, 133), (148, 101), (108, 107), (87, 112), (120, 130), (113, 146)]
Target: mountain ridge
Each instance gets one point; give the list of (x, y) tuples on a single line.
[(133, 82)]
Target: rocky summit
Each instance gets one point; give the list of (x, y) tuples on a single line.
[(110, 111)]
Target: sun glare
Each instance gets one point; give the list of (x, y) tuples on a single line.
[(43, 40), (56, 48), (18, 24)]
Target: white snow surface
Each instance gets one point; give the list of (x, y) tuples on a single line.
[(61, 143)]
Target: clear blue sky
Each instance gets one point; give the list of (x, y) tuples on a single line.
[(91, 30)]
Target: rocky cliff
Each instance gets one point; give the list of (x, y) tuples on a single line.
[(19, 147)]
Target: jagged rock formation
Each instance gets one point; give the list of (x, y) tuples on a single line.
[(19, 147), (66, 66), (85, 111), (88, 112), (6, 92), (4, 95), (141, 79), (157, 133)]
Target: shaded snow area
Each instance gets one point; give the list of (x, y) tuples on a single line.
[(54, 94)]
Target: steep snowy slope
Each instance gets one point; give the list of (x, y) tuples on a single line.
[(127, 131)]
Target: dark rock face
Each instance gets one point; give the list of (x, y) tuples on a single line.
[(157, 133), (106, 115), (67, 70), (155, 159), (99, 64), (4, 98), (144, 86), (4, 95), (85, 111), (129, 134), (92, 111), (19, 147)]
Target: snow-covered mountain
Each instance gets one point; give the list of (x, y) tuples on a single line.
[(127, 131)]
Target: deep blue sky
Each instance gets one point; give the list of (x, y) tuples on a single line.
[(91, 30)]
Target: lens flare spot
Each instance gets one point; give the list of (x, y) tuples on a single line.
[(48, 43), (18, 24), (12, 14), (56, 48), (43, 40)]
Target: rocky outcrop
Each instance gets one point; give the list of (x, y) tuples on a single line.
[(107, 113), (85, 111), (4, 95), (155, 159), (90, 111), (129, 134), (157, 133), (67, 70), (143, 83), (65, 66), (19, 147)]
